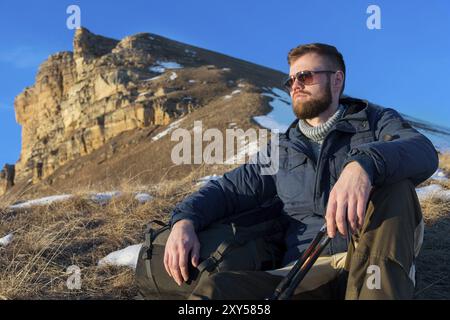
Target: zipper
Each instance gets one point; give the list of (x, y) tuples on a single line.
[(319, 162), (316, 176)]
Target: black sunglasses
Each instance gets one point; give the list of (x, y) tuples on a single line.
[(304, 77)]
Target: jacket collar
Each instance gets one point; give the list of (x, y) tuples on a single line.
[(355, 118)]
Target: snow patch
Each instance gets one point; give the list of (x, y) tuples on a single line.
[(126, 257), (173, 76), (226, 69), (157, 69), (100, 198), (433, 190), (41, 202), (281, 115), (105, 197), (161, 66), (227, 97), (192, 81), (170, 128), (170, 65), (236, 92), (143, 197), (6, 240)]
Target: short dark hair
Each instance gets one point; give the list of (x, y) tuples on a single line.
[(326, 50)]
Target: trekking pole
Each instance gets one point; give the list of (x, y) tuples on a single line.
[(288, 285), (288, 292)]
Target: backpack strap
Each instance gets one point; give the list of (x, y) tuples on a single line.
[(150, 235), (210, 263)]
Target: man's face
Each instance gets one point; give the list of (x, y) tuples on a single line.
[(309, 101)]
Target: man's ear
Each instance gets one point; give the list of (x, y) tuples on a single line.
[(338, 80)]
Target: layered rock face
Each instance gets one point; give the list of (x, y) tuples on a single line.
[(85, 100), (82, 99)]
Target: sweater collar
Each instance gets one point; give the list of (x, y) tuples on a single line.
[(318, 133)]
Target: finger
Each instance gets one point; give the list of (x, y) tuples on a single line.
[(351, 214), (175, 269), (341, 216), (361, 211), (167, 261), (183, 263), (195, 254), (330, 216)]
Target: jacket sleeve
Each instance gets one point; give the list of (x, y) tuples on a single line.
[(239, 190), (399, 153)]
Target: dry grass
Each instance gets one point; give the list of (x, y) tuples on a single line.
[(433, 264), (49, 239)]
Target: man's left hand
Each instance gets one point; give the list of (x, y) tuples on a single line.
[(348, 200)]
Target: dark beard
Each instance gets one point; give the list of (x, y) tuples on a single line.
[(314, 107)]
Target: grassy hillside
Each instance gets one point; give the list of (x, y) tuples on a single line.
[(49, 239)]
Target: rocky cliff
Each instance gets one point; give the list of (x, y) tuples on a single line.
[(105, 87)]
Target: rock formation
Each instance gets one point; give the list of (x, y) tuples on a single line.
[(105, 87), (84, 98)]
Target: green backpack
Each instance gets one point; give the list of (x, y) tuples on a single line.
[(253, 240)]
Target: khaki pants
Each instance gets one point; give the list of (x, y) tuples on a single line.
[(379, 263)]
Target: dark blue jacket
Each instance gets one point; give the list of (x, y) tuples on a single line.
[(385, 144)]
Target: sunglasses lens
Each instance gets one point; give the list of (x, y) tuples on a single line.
[(288, 84), (305, 78)]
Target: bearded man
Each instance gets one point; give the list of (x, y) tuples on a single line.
[(345, 162)]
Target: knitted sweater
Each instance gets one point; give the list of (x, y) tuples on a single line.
[(317, 134)]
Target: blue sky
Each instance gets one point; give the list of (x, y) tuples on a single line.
[(405, 64)]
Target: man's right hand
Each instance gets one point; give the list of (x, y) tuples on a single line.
[(182, 241)]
